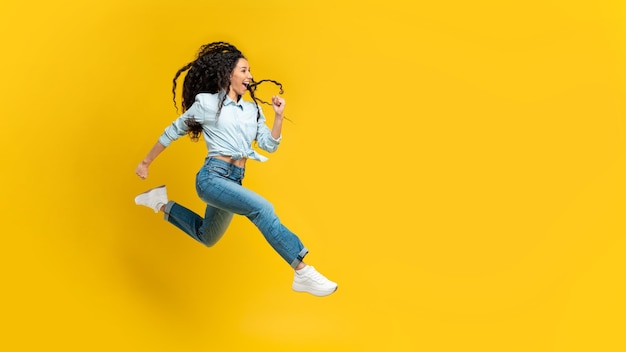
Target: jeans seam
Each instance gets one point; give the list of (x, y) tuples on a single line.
[(168, 208), (299, 257)]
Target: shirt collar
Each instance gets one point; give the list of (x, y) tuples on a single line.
[(229, 101)]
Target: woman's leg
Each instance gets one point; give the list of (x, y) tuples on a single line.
[(219, 184), (230, 197), (207, 230)]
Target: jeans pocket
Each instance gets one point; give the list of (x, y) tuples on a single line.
[(203, 178), (220, 170)]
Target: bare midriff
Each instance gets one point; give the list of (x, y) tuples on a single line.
[(239, 163)]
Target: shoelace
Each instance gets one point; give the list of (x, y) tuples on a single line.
[(319, 278)]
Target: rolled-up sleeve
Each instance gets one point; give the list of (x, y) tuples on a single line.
[(264, 137), (179, 128)]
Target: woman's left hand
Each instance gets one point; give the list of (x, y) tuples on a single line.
[(278, 104)]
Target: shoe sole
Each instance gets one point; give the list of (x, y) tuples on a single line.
[(150, 190), (314, 292)]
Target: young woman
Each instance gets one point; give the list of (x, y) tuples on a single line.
[(213, 107)]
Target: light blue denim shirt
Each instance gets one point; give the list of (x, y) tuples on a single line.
[(230, 134)]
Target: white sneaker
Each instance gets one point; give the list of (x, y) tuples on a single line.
[(154, 198), (309, 280)]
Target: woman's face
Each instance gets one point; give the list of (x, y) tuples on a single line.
[(239, 79)]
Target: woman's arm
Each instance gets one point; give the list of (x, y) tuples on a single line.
[(142, 168), (278, 104)]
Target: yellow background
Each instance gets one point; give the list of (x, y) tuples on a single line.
[(457, 166)]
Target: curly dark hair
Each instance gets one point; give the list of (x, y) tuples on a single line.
[(210, 73)]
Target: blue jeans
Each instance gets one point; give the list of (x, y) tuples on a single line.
[(218, 184)]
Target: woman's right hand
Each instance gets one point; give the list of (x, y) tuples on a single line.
[(142, 170)]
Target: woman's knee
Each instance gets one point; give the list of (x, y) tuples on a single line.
[(209, 244), (210, 238)]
